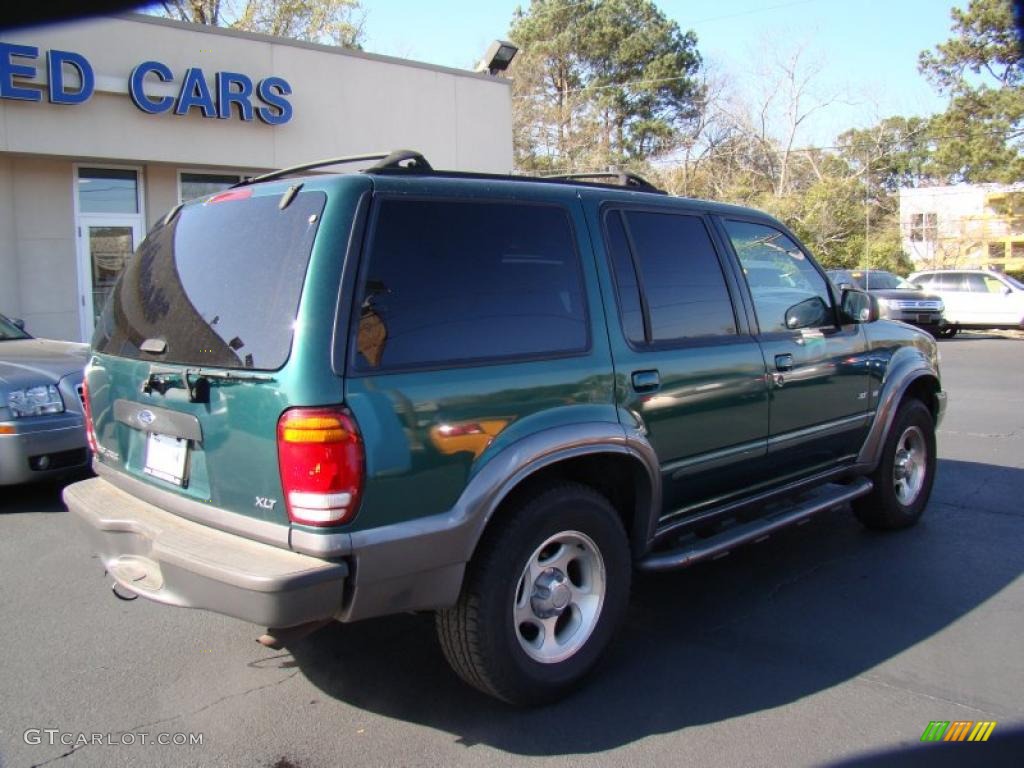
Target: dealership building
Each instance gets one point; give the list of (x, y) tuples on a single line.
[(107, 124)]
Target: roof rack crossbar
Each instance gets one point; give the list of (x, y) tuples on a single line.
[(624, 178), (392, 159)]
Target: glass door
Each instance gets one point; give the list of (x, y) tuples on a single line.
[(109, 246), (110, 228)]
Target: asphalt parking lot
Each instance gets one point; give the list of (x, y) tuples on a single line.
[(823, 645)]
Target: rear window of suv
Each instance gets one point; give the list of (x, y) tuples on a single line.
[(455, 282), (220, 283)]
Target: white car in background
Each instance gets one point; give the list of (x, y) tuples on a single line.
[(975, 298)]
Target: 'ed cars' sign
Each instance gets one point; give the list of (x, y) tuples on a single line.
[(232, 92)]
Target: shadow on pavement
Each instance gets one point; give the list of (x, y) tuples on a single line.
[(37, 497), (770, 624)]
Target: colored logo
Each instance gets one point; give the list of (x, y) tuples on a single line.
[(958, 730), (146, 418)]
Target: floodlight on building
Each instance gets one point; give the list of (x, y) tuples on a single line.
[(499, 55)]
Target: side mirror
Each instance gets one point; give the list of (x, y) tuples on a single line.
[(1007, 290), (18, 323), (845, 286), (809, 313), (858, 306)]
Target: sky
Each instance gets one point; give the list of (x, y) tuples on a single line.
[(866, 49)]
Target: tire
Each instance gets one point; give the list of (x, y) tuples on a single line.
[(947, 332), (904, 477), (542, 597)]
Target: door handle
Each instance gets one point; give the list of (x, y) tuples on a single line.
[(646, 381), (784, 362)]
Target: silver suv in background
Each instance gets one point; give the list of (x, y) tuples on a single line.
[(898, 299), (975, 298)]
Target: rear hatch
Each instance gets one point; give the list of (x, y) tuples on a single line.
[(196, 348)]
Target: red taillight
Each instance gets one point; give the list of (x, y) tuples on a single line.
[(320, 454), (90, 428)]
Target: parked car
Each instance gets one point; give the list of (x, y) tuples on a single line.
[(348, 395), (42, 431), (898, 299), (975, 298)]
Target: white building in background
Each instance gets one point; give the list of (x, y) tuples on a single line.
[(964, 225), (107, 124)]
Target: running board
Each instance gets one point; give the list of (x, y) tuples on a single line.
[(692, 552)]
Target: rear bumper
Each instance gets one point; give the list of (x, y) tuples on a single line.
[(168, 559)]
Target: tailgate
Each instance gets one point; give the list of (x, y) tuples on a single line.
[(189, 376)]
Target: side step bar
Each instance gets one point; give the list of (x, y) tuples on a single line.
[(692, 552)]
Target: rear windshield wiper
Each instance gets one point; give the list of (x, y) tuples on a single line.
[(196, 381)]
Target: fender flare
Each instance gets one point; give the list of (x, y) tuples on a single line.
[(505, 471), (906, 366)]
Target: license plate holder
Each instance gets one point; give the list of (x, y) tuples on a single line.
[(166, 458)]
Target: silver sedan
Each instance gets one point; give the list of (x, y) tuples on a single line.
[(42, 429)]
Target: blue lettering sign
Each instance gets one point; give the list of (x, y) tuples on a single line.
[(57, 92), (138, 79), (195, 93), (228, 95), (272, 90), (9, 70)]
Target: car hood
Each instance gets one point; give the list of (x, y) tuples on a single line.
[(25, 362), (903, 293)]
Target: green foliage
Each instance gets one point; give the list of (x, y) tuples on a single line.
[(981, 69), (600, 83)]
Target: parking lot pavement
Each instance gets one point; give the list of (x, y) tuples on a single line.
[(822, 645)]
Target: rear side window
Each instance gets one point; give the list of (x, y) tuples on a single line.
[(669, 260), (449, 282), (220, 284)]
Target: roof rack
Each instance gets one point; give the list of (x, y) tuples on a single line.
[(624, 178), (409, 161), (385, 160)]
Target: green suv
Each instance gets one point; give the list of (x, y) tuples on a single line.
[(341, 396)]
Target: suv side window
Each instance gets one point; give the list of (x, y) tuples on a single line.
[(777, 271), (669, 280), (457, 282)]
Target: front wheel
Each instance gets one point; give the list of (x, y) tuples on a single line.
[(948, 331), (542, 597), (904, 477)]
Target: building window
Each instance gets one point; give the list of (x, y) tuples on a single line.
[(924, 227), (996, 251), (1017, 250), (192, 185), (108, 190)]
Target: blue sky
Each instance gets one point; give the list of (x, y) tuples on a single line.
[(867, 49)]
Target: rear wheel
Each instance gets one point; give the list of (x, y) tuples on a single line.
[(904, 477), (542, 597)]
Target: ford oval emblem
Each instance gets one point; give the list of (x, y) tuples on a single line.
[(146, 418)]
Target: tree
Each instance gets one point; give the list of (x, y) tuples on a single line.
[(600, 82), (335, 22), (981, 68)]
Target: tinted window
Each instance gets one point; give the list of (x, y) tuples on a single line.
[(195, 185), (220, 284), (777, 271), (625, 279), (680, 277), (457, 281)]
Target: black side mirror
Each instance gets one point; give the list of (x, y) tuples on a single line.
[(18, 323), (859, 306), (809, 313)]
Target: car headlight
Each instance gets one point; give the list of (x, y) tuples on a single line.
[(35, 401)]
